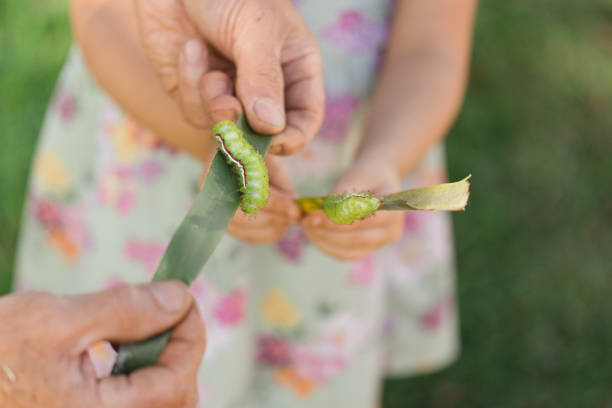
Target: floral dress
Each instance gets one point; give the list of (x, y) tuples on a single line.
[(288, 325)]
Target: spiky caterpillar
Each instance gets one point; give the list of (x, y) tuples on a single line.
[(247, 163), (348, 207)]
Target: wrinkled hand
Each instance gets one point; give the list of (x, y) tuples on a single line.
[(44, 338), (356, 241), (270, 222), (200, 46)]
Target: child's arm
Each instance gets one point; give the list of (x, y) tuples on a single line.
[(107, 32), (422, 83), (417, 96)]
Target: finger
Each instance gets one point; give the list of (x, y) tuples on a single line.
[(214, 84), (304, 101), (278, 175), (185, 349), (171, 382), (224, 107), (282, 204), (193, 64), (269, 233), (296, 135), (165, 28), (369, 239), (266, 236), (128, 313), (260, 84), (262, 220), (321, 221), (216, 90), (279, 203), (342, 254)]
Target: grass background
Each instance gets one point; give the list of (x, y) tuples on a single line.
[(535, 246)]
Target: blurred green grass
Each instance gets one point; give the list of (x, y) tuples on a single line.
[(534, 246)]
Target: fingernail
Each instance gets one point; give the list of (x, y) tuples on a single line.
[(193, 51), (214, 88), (268, 111), (171, 295)]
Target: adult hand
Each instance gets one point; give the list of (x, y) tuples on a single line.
[(356, 241), (199, 46), (270, 222), (44, 340)]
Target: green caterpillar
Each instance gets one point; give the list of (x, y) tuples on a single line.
[(346, 208), (247, 164)]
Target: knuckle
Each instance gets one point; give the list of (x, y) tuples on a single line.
[(269, 75)]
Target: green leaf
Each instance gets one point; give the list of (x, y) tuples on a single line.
[(194, 242), (439, 197)]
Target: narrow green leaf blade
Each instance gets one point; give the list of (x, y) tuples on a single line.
[(194, 242), (439, 197)]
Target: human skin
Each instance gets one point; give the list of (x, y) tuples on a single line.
[(416, 99), (44, 341), (263, 46), (197, 81)]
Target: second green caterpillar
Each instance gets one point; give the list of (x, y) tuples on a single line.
[(247, 164), (346, 208)]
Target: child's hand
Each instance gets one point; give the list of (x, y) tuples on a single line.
[(356, 241), (271, 222), (199, 46)]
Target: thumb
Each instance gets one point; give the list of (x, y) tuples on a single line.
[(260, 85), (130, 313)]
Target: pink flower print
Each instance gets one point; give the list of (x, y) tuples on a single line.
[(163, 146), (117, 190), (328, 354), (230, 309), (149, 171), (353, 32), (338, 111), (432, 318), (317, 366), (65, 105), (273, 351), (113, 282), (125, 201), (361, 273), (48, 214), (66, 228), (147, 253), (291, 245), (411, 222), (76, 228)]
